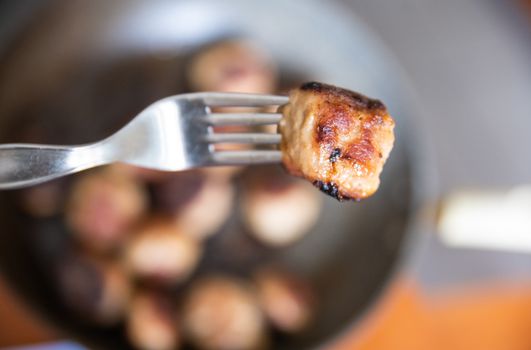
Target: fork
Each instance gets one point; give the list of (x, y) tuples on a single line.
[(173, 134)]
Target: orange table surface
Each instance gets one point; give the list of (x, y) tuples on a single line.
[(489, 317)]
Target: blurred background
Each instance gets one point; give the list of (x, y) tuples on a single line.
[(440, 258)]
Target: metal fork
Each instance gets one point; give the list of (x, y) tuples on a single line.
[(172, 134)]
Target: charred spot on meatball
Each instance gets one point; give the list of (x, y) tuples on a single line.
[(334, 156), (330, 189)]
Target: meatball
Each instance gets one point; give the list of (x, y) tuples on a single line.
[(103, 206), (287, 300), (199, 202), (232, 66), (151, 322), (207, 212), (161, 253), (278, 210), (337, 139), (96, 289), (220, 313)]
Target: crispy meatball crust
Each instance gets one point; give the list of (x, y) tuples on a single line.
[(337, 139)]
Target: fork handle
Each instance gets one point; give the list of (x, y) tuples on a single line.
[(24, 165)]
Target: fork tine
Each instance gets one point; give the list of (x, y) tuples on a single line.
[(246, 157), (255, 138), (247, 119), (234, 99)]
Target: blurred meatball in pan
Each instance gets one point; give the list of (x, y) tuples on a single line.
[(102, 208), (199, 203), (286, 299), (232, 66), (151, 322), (161, 253), (222, 313), (278, 210)]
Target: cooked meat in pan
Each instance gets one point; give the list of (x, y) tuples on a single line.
[(272, 210), (222, 313), (199, 202), (151, 322), (161, 253), (337, 139), (103, 206), (287, 300), (233, 66)]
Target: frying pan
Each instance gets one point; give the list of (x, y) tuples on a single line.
[(75, 71)]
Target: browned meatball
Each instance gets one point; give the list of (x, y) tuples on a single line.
[(221, 313), (97, 290), (279, 210), (103, 206), (287, 300), (151, 322), (232, 66), (337, 139), (160, 252)]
